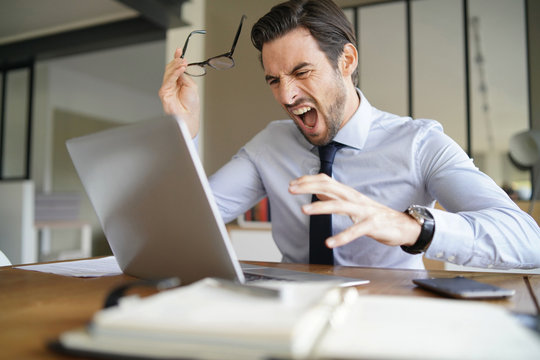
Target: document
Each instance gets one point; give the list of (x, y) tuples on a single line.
[(106, 266), (392, 327), (307, 321)]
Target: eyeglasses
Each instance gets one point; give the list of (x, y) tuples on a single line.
[(219, 62)]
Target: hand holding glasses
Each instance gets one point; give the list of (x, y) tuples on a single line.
[(219, 62)]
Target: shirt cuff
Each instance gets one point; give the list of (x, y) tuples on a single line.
[(453, 240)]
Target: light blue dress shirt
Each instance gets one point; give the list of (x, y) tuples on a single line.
[(395, 161)]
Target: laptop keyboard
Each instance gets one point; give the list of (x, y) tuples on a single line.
[(256, 277)]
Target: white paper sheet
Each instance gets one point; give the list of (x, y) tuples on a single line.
[(393, 327), (106, 266)]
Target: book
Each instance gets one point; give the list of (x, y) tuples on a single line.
[(306, 321), (258, 216), (209, 321)]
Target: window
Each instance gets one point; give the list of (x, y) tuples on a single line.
[(460, 62)]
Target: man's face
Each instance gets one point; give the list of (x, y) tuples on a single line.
[(306, 84)]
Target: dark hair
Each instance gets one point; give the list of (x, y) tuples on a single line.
[(323, 18)]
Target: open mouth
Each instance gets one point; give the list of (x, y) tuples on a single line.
[(307, 115)]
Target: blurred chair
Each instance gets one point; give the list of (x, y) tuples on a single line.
[(61, 211)]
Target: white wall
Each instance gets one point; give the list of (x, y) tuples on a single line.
[(85, 94), (17, 238), (117, 85), (70, 84), (254, 245), (194, 12)]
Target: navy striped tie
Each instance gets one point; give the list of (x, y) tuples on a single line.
[(320, 226)]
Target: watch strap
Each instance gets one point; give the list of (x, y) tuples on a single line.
[(425, 237)]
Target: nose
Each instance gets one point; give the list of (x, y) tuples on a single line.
[(287, 92)]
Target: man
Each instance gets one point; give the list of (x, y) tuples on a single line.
[(384, 165)]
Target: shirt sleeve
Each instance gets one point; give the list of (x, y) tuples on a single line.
[(237, 186), (481, 226)]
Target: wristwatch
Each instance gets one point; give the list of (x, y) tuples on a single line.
[(425, 220)]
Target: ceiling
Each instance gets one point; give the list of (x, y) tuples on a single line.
[(25, 19), (119, 41), (31, 29)]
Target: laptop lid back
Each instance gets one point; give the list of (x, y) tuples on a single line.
[(154, 203)]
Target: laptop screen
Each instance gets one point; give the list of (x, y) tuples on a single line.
[(152, 198)]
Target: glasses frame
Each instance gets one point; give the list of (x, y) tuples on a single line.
[(208, 62)]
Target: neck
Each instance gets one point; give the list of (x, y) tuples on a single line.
[(352, 103)]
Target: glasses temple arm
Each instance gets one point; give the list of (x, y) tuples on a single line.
[(237, 35)]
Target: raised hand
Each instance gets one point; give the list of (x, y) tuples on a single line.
[(369, 217), (179, 94)]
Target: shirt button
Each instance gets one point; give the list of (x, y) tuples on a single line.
[(439, 255), (451, 258), (490, 266)]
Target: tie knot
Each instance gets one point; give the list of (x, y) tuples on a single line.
[(327, 153)]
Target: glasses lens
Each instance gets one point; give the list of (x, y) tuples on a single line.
[(195, 70), (221, 62)]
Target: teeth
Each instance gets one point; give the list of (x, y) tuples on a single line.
[(301, 110)]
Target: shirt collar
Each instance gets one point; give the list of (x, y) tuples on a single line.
[(355, 131)]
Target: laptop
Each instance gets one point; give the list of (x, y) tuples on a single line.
[(154, 203)]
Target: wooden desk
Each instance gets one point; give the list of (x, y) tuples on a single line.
[(36, 307)]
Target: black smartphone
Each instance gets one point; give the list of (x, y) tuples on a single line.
[(463, 288)]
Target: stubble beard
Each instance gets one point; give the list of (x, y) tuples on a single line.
[(333, 116)]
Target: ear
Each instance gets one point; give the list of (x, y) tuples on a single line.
[(349, 60)]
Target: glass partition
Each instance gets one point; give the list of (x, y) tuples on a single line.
[(468, 74), (15, 126), (382, 44), (499, 92), (2, 84), (438, 66)]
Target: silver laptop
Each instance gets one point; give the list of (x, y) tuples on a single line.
[(156, 208)]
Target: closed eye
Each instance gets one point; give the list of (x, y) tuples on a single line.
[(303, 74), (272, 80)]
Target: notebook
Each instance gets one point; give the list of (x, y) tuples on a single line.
[(154, 203)]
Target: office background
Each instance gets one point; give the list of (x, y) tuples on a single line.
[(412, 62)]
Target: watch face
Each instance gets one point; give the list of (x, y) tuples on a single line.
[(416, 216), (425, 219), (420, 212)]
